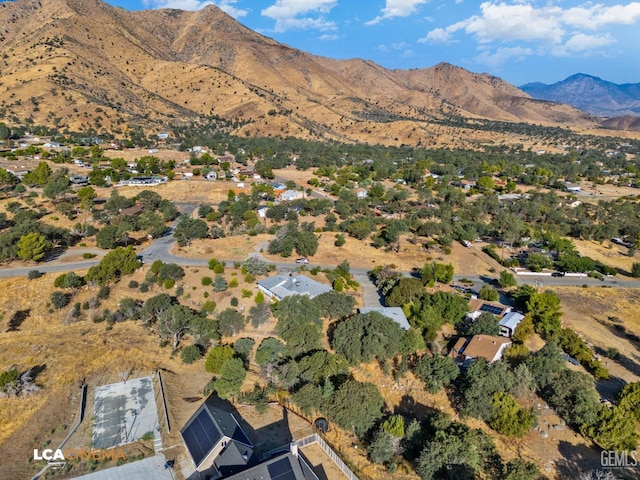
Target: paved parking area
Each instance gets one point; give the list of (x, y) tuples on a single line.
[(151, 468), (123, 412)]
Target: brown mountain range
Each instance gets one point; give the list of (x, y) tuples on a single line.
[(84, 64)]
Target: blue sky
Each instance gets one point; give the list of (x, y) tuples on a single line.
[(520, 41)]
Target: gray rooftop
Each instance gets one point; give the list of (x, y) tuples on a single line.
[(511, 320), (286, 467), (284, 285), (394, 313)]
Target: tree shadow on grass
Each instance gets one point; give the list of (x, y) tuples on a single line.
[(17, 318)]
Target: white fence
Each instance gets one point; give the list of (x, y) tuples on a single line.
[(315, 438)]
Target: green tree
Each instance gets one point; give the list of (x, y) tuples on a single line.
[(436, 371), (480, 382), (231, 378), (574, 397), (507, 279), (33, 246), (405, 291), (270, 350), (394, 425), (230, 322), (436, 272), (356, 406), (153, 307), (39, 175), (485, 324), (189, 229), (518, 469), (545, 312), (118, 262), (635, 270), (488, 293), (174, 322), (335, 305), (368, 336), (536, 262), (380, 450), (614, 429), (508, 417), (107, 237), (306, 243), (259, 314), (217, 357), (299, 324)]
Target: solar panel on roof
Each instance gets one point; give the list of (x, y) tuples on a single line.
[(491, 309), (201, 436), (281, 470)]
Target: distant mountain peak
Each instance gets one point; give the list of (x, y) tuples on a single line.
[(591, 94)]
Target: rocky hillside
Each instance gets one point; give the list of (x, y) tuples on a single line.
[(591, 94), (83, 64)]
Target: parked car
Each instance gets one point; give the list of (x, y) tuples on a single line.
[(302, 260), (558, 274)]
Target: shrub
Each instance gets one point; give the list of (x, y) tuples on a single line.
[(635, 270), (89, 255), (104, 292), (233, 283), (246, 293), (209, 306), (133, 284), (191, 354), (59, 299), (169, 283), (488, 293), (206, 281), (33, 274), (234, 301), (144, 287), (259, 297)]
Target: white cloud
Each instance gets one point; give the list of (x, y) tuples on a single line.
[(583, 43), (397, 8), (227, 6), (300, 14), (514, 29), (329, 37), (503, 55)]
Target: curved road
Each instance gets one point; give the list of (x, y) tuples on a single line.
[(160, 249)]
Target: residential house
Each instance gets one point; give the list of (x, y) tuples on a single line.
[(262, 211), (572, 187), (394, 313), (477, 307), (78, 180), (211, 175), (216, 443), (361, 193), (281, 286), (488, 347), (290, 195), (133, 210), (509, 323), (289, 465)]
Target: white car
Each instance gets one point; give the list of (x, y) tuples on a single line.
[(302, 260)]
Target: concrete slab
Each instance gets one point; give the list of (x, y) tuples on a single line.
[(151, 468), (123, 412)]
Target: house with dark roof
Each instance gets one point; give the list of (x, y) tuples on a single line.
[(286, 466), (216, 443), (394, 313), (280, 286)]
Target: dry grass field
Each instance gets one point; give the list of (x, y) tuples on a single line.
[(608, 253)]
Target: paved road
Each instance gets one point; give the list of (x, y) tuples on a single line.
[(160, 249)]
